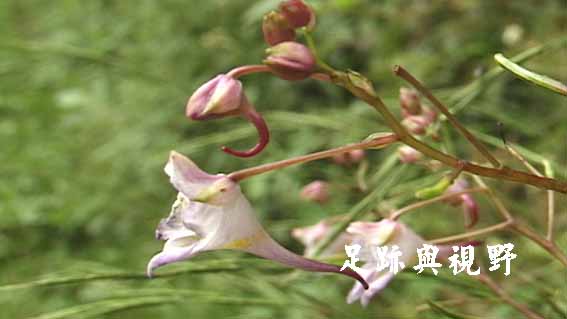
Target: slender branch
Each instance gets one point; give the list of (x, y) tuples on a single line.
[(550, 194), (398, 213), (503, 173), (500, 292), (548, 245), (375, 142), (475, 233), (404, 74)]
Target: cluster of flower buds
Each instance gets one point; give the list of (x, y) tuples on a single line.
[(466, 201), (316, 191), (349, 158), (279, 26), (286, 58), (417, 117), (224, 96)]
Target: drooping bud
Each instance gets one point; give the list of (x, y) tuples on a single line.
[(316, 191), (466, 201), (409, 102), (297, 13), (218, 97), (409, 155), (223, 96), (276, 28), (290, 61), (348, 158)]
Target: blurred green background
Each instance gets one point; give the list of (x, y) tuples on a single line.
[(92, 97)]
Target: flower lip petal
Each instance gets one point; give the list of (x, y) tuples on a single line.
[(186, 176)]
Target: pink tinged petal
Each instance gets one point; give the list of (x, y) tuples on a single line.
[(368, 273), (376, 287), (316, 191), (186, 176), (470, 209), (290, 61), (270, 249), (220, 96), (255, 118), (167, 257)]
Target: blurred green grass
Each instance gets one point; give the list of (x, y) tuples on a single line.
[(92, 97)]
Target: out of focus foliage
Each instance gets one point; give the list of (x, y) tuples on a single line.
[(92, 97)]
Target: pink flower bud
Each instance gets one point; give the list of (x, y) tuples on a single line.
[(290, 61), (348, 158), (409, 155), (466, 201), (416, 124), (297, 13), (219, 96), (223, 96), (409, 101), (316, 191), (276, 28)]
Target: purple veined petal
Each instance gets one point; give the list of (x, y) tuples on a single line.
[(255, 118), (268, 248)]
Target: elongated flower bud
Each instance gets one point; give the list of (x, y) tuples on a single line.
[(316, 191), (409, 102), (276, 29), (218, 97), (290, 61), (297, 13), (223, 96)]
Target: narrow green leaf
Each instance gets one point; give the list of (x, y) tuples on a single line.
[(532, 77), (438, 309)]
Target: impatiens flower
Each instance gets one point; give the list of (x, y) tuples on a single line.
[(383, 233), (310, 236), (211, 213), (348, 158), (290, 61), (223, 96), (386, 233), (467, 201), (316, 191), (276, 28)]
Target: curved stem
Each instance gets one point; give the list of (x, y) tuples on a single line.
[(253, 116), (248, 69)]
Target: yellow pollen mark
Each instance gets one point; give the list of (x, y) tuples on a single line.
[(244, 242)]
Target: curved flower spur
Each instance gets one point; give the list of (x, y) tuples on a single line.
[(211, 213)]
